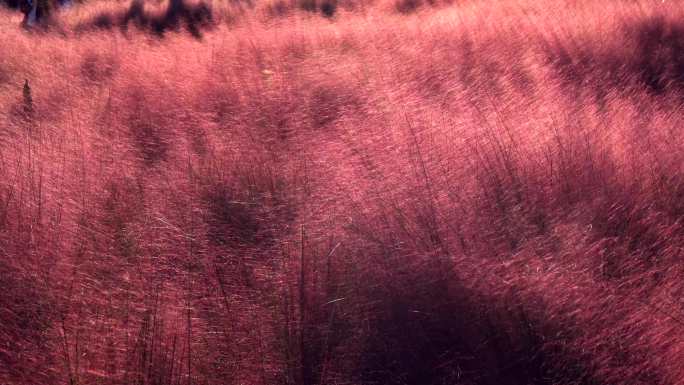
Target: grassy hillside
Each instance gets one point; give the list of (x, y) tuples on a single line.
[(343, 192)]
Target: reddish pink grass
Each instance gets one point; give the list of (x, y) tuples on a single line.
[(406, 192)]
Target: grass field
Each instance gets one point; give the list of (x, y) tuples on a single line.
[(333, 192)]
